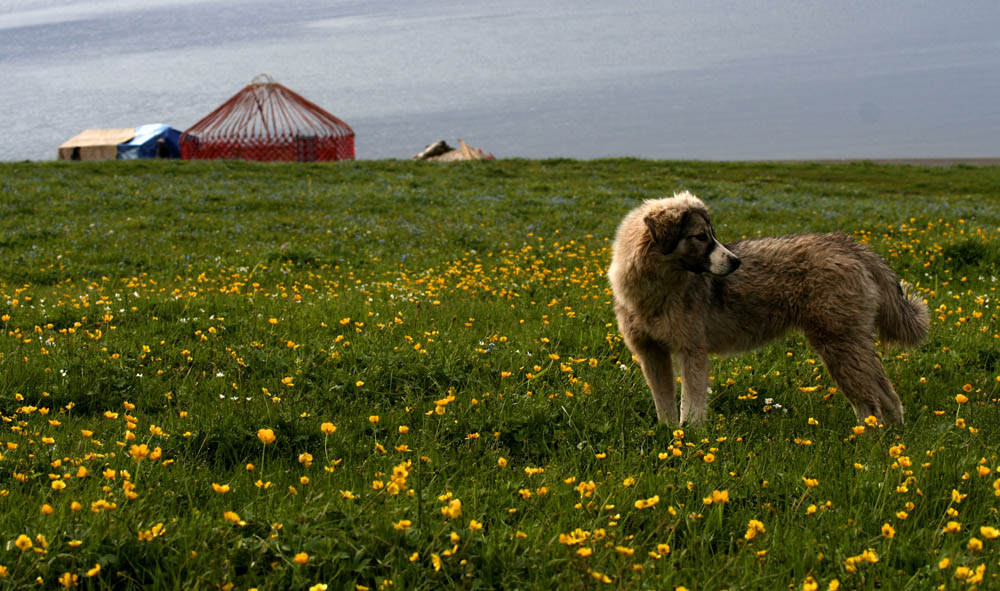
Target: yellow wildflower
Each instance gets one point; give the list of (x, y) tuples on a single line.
[(453, 509), (754, 527), (139, 452), (647, 503)]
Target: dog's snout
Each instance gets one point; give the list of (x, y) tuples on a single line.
[(722, 261)]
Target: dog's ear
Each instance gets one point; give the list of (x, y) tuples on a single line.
[(665, 228), (653, 227)]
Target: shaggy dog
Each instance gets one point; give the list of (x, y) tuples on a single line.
[(680, 293)]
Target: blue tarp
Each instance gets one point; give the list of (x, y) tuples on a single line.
[(146, 143)]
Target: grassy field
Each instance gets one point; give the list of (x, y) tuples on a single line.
[(396, 375)]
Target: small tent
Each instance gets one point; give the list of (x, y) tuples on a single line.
[(155, 140), (440, 151), (95, 144)]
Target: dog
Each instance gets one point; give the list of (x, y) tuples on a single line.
[(678, 292)]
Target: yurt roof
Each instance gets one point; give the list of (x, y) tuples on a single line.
[(267, 109)]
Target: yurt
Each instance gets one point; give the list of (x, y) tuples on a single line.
[(267, 121)]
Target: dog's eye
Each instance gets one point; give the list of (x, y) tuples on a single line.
[(701, 237)]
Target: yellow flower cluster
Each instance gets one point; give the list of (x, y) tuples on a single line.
[(869, 556)]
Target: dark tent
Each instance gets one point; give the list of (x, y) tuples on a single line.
[(151, 141)]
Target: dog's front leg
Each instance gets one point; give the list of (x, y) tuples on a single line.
[(654, 358), (694, 395)]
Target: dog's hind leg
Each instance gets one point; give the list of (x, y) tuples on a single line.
[(654, 358), (694, 396), (856, 368)]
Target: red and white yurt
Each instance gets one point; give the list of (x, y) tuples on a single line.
[(267, 121)]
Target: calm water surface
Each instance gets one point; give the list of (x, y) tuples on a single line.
[(582, 78)]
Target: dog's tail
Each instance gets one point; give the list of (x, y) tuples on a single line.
[(903, 317)]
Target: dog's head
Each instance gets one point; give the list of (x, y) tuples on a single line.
[(680, 231)]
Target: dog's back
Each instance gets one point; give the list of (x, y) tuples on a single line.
[(824, 283)]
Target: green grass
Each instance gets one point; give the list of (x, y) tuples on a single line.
[(453, 323)]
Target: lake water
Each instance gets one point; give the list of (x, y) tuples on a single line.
[(582, 79)]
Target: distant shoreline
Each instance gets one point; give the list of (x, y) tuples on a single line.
[(903, 161)]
